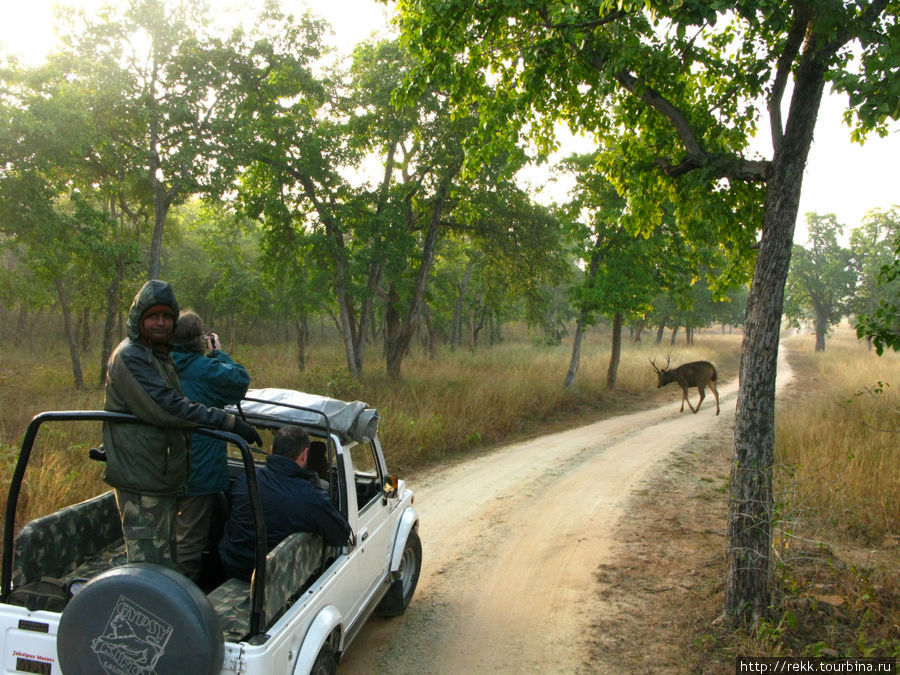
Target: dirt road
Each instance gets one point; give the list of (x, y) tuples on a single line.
[(512, 541)]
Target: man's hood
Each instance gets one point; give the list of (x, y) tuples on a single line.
[(154, 292)]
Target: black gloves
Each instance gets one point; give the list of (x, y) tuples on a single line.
[(245, 431)]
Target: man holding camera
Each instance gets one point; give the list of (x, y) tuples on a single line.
[(148, 464), (207, 375)]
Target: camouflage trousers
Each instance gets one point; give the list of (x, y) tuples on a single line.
[(148, 524), (195, 516)]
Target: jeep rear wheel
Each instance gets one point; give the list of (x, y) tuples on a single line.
[(326, 660)]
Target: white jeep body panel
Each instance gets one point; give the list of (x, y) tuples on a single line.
[(330, 611)]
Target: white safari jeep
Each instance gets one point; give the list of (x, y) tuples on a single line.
[(69, 603)]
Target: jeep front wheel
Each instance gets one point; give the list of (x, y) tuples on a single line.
[(410, 566)]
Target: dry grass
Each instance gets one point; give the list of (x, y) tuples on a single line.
[(463, 401), (837, 583), (837, 445), (458, 403), (837, 483)]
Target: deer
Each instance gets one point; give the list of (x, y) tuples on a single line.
[(700, 374)]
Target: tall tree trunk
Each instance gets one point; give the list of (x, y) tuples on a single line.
[(575, 361), (478, 324), (821, 330), (302, 327), (638, 329), (161, 202), (83, 330), (581, 324), (162, 198), (674, 333), (616, 352), (748, 589), (496, 330), (456, 333), (392, 330), (65, 303), (430, 334), (659, 332), (348, 329), (112, 313), (397, 346)]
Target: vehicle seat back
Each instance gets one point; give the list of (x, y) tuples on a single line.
[(289, 567), (56, 544)]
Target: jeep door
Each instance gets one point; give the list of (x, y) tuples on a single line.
[(371, 520)]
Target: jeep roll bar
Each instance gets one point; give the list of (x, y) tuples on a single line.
[(257, 598)]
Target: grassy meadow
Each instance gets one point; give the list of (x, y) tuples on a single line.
[(837, 441), (837, 478), (837, 504), (460, 402)]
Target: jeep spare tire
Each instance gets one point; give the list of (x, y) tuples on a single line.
[(140, 617)]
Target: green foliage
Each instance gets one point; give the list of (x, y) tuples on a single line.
[(820, 280), (636, 274), (673, 92), (145, 109), (875, 250), (528, 64)]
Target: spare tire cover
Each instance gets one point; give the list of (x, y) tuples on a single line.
[(140, 618)]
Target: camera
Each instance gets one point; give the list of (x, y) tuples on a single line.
[(211, 340)]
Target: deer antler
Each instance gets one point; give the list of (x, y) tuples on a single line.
[(653, 364), (667, 362)]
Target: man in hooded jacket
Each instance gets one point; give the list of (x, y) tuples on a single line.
[(148, 464)]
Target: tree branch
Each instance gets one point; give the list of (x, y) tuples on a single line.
[(848, 31), (783, 70), (596, 23), (723, 166), (726, 166)]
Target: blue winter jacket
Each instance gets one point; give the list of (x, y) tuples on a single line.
[(216, 381), (291, 502)]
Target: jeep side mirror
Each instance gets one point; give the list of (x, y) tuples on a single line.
[(390, 488)]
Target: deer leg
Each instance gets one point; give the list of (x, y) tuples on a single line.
[(702, 396), (712, 388), (684, 397)]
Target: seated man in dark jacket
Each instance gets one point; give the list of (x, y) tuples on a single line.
[(291, 502)]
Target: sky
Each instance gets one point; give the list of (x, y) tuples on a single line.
[(841, 177)]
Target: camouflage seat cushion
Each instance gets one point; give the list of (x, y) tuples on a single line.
[(289, 566), (55, 545), (106, 559), (231, 601)]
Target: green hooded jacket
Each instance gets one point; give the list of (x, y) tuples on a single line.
[(154, 458)]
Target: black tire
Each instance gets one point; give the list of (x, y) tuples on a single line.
[(398, 596), (326, 660), (410, 566), (141, 616)]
